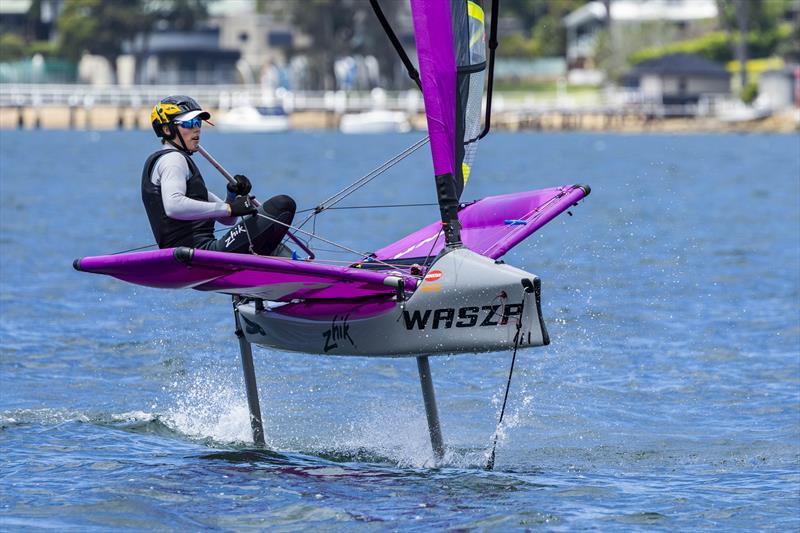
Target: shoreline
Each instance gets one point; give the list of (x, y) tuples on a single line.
[(127, 118)]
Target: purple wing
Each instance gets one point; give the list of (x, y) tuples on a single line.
[(491, 226), (270, 278)]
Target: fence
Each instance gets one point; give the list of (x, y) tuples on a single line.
[(210, 96)]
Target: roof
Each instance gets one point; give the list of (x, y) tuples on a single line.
[(15, 7), (682, 64), (789, 71), (643, 10), (585, 13)]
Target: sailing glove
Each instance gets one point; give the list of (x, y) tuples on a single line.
[(241, 206), (241, 187)]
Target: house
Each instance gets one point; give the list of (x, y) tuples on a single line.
[(265, 42), (183, 57), (584, 25), (678, 79), (16, 17), (779, 88)]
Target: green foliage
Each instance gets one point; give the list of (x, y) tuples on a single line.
[(345, 27), (790, 47), (548, 89), (516, 45), (715, 46), (766, 43), (749, 93), (549, 36), (12, 47), (718, 46), (181, 15), (44, 48), (544, 33), (527, 12), (613, 48), (99, 26), (760, 15)]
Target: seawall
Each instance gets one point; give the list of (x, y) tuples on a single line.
[(107, 117)]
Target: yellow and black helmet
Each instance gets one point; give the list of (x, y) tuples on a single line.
[(172, 109)]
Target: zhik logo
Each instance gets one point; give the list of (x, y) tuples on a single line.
[(235, 232), (337, 332)]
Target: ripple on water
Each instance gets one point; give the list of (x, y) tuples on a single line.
[(667, 399)]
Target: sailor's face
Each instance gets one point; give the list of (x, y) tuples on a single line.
[(191, 136)]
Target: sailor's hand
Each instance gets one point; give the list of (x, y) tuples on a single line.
[(241, 187), (241, 206)]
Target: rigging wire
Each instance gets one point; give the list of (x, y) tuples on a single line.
[(413, 73), (336, 198), (350, 189), (344, 207), (385, 206), (146, 246), (332, 243), (430, 251), (517, 336)]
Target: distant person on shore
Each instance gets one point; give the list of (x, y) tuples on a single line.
[(180, 208)]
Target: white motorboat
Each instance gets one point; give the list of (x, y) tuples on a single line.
[(375, 121), (254, 119)]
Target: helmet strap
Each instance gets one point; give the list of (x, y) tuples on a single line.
[(174, 134), (167, 136)]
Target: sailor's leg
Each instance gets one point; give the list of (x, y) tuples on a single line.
[(249, 380), (429, 397), (262, 233)]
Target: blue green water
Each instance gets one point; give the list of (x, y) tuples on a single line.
[(669, 398)]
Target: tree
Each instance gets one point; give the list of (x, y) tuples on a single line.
[(527, 12), (99, 27), (345, 27), (180, 15), (12, 47), (615, 47), (542, 23)]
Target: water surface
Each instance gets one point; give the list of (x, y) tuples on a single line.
[(668, 399)]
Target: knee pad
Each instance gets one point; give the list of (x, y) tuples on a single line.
[(283, 203)]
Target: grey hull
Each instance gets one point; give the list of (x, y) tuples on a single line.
[(468, 303)]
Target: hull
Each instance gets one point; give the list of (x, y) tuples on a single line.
[(467, 303)]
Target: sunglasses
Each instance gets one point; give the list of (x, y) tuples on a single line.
[(189, 124)]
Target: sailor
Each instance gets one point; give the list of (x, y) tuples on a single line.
[(182, 211)]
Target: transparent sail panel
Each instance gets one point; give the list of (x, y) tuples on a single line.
[(477, 59)]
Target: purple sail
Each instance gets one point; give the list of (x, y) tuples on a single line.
[(437, 68), (451, 52)]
